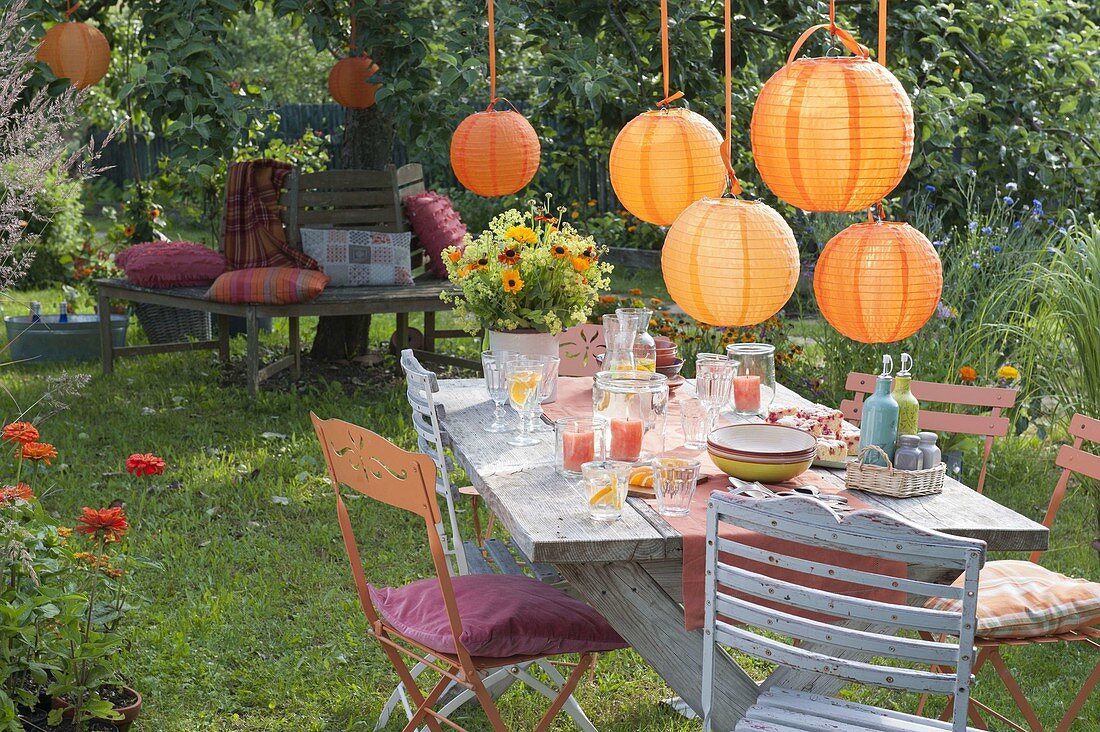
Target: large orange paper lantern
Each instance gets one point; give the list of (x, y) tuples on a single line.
[(349, 82), (495, 153), (77, 52), (878, 282), (730, 262), (832, 134), (665, 160)]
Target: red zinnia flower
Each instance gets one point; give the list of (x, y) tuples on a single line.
[(38, 451), (110, 523), (21, 432), (140, 464), (13, 493)]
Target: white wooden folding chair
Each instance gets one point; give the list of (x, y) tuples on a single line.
[(823, 632)]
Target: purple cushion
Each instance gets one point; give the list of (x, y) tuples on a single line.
[(170, 264), (501, 616), (436, 225)]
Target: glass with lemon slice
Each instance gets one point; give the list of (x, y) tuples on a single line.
[(523, 377), (605, 485)]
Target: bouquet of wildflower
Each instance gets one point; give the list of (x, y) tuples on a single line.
[(526, 271)]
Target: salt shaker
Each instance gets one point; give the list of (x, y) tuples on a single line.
[(908, 456), (929, 449)]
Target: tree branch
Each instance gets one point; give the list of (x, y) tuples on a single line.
[(613, 13)]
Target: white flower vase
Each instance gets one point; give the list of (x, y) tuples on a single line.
[(526, 343)]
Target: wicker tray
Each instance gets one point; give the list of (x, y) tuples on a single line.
[(889, 481)]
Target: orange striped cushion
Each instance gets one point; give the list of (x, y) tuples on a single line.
[(268, 286), (1018, 599)]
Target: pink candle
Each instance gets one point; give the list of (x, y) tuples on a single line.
[(577, 448), (746, 393), (626, 439)]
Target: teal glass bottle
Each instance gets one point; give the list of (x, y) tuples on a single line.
[(879, 426)]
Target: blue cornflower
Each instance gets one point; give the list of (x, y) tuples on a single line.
[(930, 188), (1017, 224), (1011, 186), (996, 249), (1037, 205), (987, 230), (938, 243), (1009, 200), (1050, 222), (973, 225), (1061, 230), (977, 265), (931, 206)]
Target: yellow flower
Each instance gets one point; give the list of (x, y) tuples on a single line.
[(631, 229), (558, 251), (592, 203), (1008, 373), (581, 263), (512, 281), (968, 374), (64, 531), (522, 234), (509, 256)]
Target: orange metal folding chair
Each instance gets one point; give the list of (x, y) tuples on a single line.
[(998, 574), (990, 427), (435, 621)]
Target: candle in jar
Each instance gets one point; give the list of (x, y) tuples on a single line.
[(626, 439), (746, 393), (577, 448)]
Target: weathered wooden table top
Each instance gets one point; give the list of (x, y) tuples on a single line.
[(547, 517)]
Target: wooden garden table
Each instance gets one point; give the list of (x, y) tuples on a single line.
[(631, 570)]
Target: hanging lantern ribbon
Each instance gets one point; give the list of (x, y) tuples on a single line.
[(669, 98), (727, 143)]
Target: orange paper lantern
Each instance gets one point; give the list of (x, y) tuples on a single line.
[(730, 262), (665, 160), (878, 282), (832, 134), (495, 153), (349, 85), (77, 52)]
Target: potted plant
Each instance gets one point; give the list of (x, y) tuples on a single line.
[(525, 279)]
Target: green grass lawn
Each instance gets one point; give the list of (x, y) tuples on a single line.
[(253, 624)]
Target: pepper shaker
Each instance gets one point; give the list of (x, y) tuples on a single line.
[(908, 456), (931, 452)]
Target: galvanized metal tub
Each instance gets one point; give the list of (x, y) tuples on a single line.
[(49, 340)]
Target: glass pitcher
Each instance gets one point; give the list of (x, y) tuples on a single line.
[(634, 406), (645, 348), (619, 337)]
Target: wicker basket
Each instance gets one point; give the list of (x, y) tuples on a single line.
[(163, 324), (889, 481)]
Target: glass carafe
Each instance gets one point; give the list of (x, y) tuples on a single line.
[(634, 405), (619, 337), (645, 348)]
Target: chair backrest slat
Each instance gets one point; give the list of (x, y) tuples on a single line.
[(1085, 427), (844, 627), (578, 347), (1073, 459), (992, 397), (1079, 461)]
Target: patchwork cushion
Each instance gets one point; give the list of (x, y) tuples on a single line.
[(268, 286), (502, 616), (436, 225), (1018, 599), (360, 258), (170, 264)]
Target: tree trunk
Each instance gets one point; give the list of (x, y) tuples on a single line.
[(368, 145)]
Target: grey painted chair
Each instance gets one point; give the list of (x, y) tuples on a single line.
[(864, 649)]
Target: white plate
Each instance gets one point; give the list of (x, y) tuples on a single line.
[(841, 464)]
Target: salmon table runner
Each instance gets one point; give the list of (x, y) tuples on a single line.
[(575, 400)]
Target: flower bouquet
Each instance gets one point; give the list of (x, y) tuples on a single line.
[(527, 271)]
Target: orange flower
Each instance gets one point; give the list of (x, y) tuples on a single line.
[(607, 299), (465, 270), (968, 374), (454, 255), (512, 281), (13, 493), (154, 214), (64, 532), (559, 251), (108, 523), (112, 572), (128, 231), (21, 432), (140, 464), (581, 263), (636, 291), (38, 452), (509, 256)]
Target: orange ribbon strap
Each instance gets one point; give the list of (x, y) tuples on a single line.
[(71, 9), (492, 58), (727, 144), (871, 213), (669, 98), (882, 32)]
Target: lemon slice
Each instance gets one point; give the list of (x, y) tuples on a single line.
[(521, 384), (642, 477), (597, 497)]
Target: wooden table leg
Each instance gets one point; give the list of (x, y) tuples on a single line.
[(295, 348), (252, 361), (402, 332), (653, 623), (106, 343), (429, 332), (223, 338)]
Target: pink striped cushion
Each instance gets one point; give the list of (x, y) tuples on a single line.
[(1018, 599), (268, 286)]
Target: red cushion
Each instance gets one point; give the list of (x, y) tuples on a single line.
[(436, 225), (170, 264), (268, 286), (502, 616)]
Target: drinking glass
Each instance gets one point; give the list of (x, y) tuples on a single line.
[(523, 377), (674, 481), (550, 365), (693, 422), (605, 486), (492, 363), (713, 381), (754, 385), (579, 441)]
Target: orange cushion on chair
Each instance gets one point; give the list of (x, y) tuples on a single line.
[(1018, 599), (268, 286)]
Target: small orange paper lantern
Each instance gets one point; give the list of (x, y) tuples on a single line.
[(495, 153), (730, 262), (77, 52), (832, 134), (349, 82), (665, 160), (878, 282)]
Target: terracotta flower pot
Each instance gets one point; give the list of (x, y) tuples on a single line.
[(129, 712)]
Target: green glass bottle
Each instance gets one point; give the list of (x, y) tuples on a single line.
[(908, 406)]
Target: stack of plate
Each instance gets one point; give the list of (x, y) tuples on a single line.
[(769, 453)]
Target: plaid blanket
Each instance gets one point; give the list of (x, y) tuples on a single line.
[(253, 232)]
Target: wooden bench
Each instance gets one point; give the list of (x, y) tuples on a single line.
[(343, 199)]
